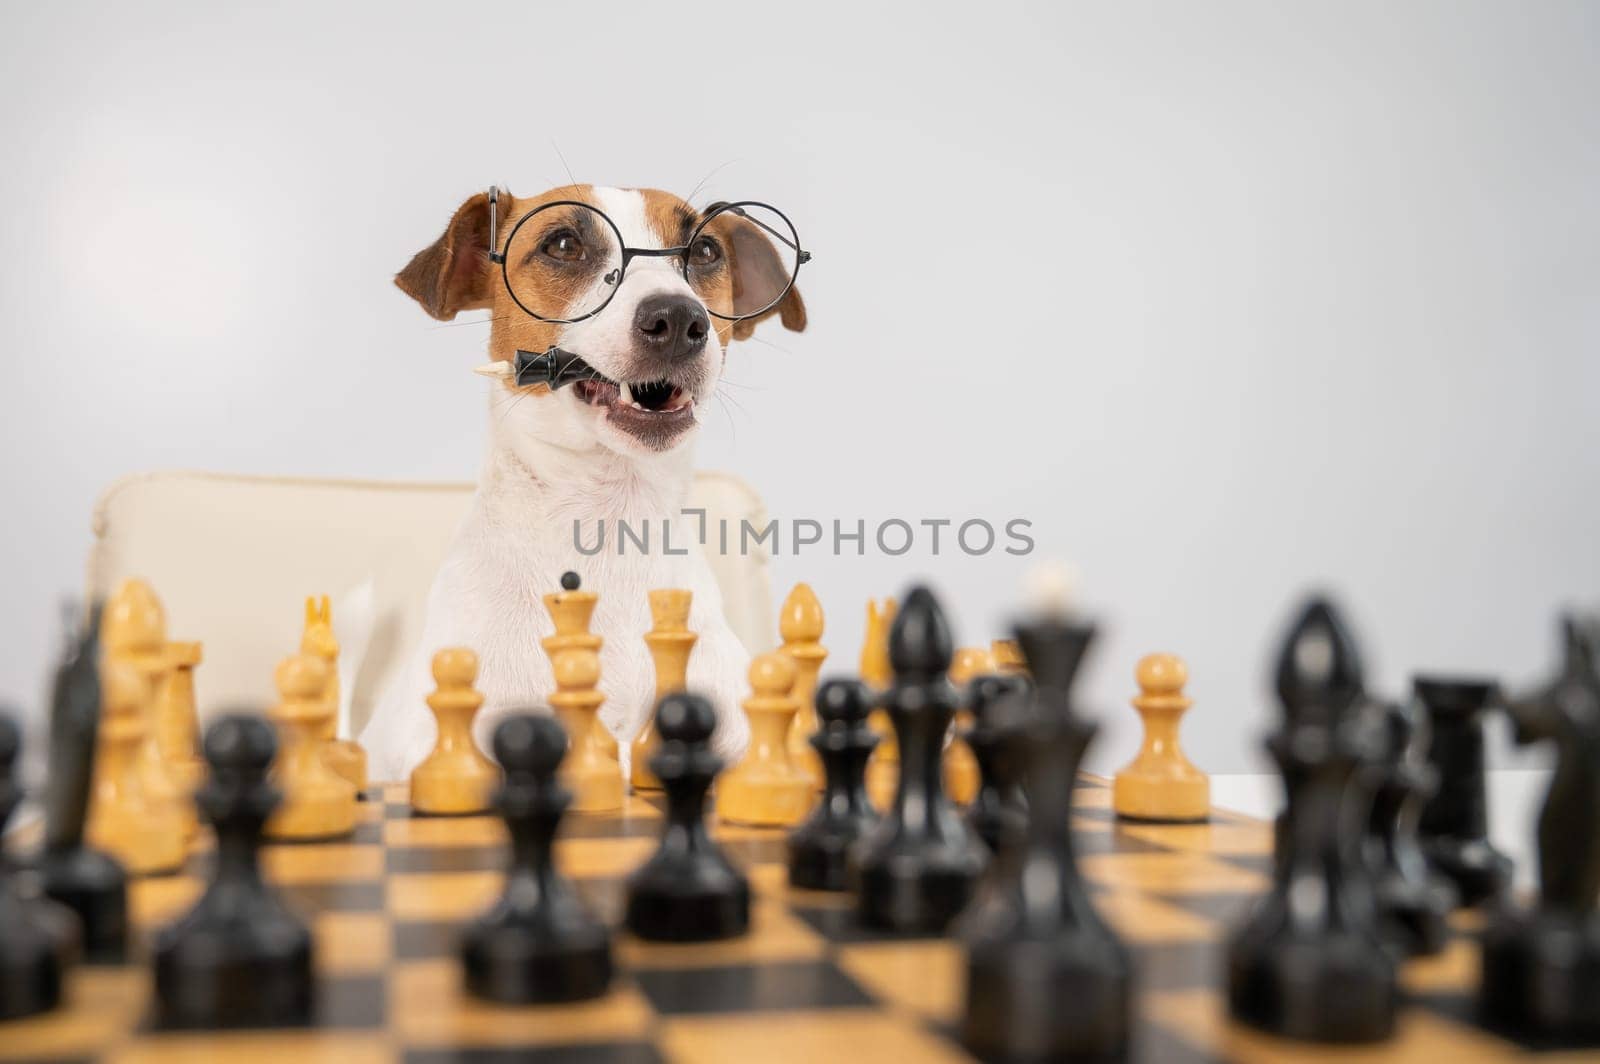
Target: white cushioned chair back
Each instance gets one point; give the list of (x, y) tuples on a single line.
[(234, 557)]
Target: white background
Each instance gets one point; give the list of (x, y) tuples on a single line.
[(1230, 300)]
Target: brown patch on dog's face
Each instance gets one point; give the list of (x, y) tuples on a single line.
[(674, 221), (669, 217), (514, 329), (455, 273)]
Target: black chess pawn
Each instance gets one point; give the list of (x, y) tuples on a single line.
[(1413, 902), (1308, 962), (88, 881), (917, 869), (819, 849), (1541, 965), (1454, 827), (240, 957), (39, 939), (1047, 979), (999, 741), (688, 891), (538, 943)]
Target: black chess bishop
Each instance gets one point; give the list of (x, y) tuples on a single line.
[(1541, 964), (538, 942), (917, 869), (819, 849), (1047, 979), (1308, 962), (688, 891), (240, 957)]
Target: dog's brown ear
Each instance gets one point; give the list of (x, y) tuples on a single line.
[(791, 310), (757, 267), (453, 273)]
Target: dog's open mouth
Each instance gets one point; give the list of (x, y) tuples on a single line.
[(656, 413), (651, 397)]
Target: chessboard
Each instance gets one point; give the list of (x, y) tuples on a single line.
[(808, 983)]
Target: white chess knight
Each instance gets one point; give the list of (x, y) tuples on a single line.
[(649, 292)]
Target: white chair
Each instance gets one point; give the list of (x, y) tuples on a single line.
[(233, 558)]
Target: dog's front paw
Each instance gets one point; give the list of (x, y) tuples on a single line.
[(717, 671), (732, 736)]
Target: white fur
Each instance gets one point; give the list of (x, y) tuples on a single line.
[(552, 461)]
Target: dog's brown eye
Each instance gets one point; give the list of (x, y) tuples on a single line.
[(705, 252), (563, 246)]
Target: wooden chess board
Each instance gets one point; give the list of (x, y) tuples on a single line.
[(807, 984)]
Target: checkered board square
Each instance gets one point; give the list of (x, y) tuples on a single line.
[(807, 984)]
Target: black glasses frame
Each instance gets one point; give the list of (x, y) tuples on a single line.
[(681, 253)]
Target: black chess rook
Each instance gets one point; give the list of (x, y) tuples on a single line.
[(1454, 827)]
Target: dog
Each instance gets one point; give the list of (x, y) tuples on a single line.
[(613, 449)]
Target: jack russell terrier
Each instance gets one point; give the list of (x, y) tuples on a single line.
[(648, 292)]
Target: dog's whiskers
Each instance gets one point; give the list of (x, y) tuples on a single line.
[(733, 428), (715, 170), (726, 399), (492, 319), (557, 148), (768, 343), (509, 407)]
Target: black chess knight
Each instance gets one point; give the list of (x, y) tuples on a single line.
[(1413, 902), (87, 881), (1541, 966), (1308, 962), (999, 741), (39, 939)]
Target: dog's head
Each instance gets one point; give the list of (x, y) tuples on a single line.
[(656, 341)]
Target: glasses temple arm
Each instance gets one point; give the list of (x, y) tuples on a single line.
[(805, 256), (494, 240)]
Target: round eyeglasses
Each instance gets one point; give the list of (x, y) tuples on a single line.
[(564, 261)]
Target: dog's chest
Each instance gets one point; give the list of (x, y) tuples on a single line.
[(518, 668), (506, 579)]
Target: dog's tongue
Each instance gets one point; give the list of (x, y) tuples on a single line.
[(598, 393)]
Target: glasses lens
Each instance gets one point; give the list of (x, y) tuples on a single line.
[(743, 259), (563, 261)]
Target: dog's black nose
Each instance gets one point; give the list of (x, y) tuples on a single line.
[(673, 327)]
